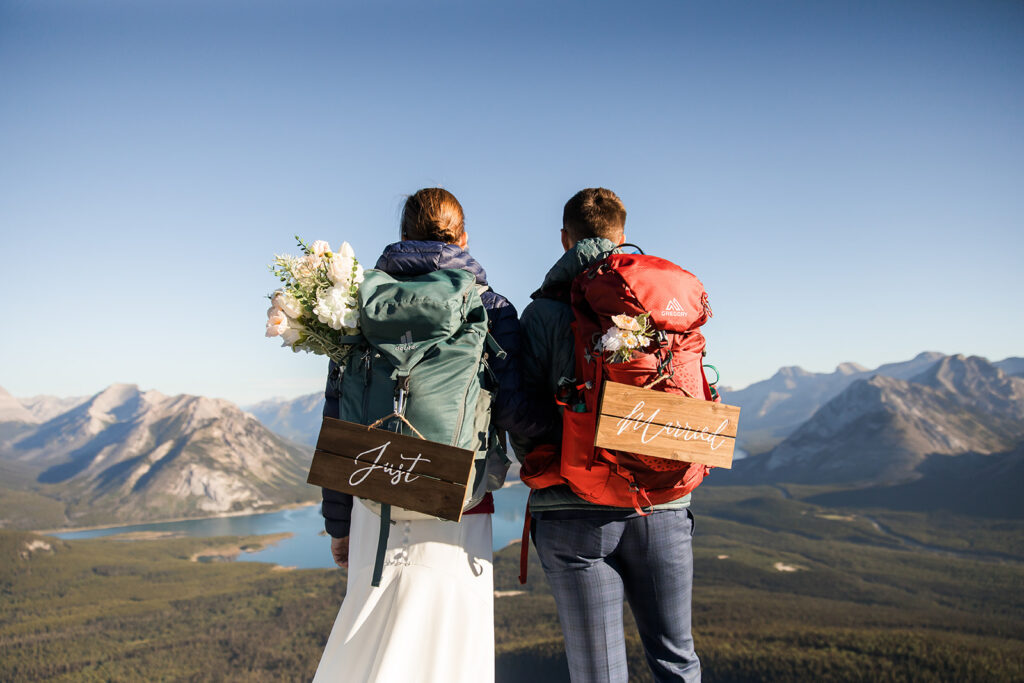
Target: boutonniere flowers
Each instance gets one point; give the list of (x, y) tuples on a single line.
[(316, 308), (627, 334)]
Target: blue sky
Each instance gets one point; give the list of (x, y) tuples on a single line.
[(845, 178)]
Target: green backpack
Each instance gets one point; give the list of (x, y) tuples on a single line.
[(422, 356)]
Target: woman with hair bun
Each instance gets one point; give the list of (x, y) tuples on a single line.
[(432, 617)]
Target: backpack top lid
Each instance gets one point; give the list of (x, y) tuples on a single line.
[(638, 283), (406, 318)]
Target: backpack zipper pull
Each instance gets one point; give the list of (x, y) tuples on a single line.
[(401, 394)]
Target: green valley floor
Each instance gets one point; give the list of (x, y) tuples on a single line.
[(785, 590)]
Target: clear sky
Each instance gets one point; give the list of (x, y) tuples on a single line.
[(847, 178)]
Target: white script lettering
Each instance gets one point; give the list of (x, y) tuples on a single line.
[(636, 420), (399, 475)]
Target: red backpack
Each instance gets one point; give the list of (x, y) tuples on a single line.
[(677, 305)]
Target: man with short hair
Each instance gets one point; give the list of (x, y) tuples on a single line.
[(594, 555)]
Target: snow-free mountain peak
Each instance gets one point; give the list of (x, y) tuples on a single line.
[(128, 455), (882, 428), (11, 409), (850, 368)]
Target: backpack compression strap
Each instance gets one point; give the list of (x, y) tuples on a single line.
[(382, 544)]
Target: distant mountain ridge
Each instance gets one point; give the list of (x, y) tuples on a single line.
[(775, 407), (11, 409), (44, 408), (124, 455), (297, 419), (1012, 366), (880, 430)]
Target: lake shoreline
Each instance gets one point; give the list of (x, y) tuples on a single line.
[(237, 513)]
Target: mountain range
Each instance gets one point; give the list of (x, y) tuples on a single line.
[(775, 407), (124, 455), (297, 419), (957, 426)]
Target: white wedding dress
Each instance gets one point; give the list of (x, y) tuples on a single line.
[(431, 620)]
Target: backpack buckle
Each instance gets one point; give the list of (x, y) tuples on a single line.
[(401, 394)]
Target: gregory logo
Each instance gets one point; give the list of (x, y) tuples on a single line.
[(405, 343), (674, 309)]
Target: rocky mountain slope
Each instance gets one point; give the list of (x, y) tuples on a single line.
[(1012, 366), (44, 408), (297, 419), (126, 455), (775, 407), (880, 430), (11, 409)]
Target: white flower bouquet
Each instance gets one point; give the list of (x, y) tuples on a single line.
[(627, 335), (316, 309)]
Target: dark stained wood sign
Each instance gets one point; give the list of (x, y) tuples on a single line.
[(385, 467), (663, 425)]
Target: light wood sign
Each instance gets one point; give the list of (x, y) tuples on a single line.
[(391, 468), (664, 425)]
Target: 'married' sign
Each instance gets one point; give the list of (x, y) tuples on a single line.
[(664, 425), (391, 468)]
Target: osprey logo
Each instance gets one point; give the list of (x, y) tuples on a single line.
[(405, 343), (674, 309)]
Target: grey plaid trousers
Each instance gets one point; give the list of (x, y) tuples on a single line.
[(592, 561)]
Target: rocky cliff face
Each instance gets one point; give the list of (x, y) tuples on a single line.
[(775, 407), (129, 455), (881, 429)]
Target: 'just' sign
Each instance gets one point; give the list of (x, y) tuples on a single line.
[(385, 467)]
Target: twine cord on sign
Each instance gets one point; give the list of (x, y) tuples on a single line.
[(400, 417)]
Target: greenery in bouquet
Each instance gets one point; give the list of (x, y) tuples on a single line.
[(316, 308), (627, 334)]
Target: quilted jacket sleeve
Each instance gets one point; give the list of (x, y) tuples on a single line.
[(546, 357), (336, 507), (515, 410)]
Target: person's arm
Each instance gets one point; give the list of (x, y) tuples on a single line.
[(514, 409), (336, 507), (544, 326)]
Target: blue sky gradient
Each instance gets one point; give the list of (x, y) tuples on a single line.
[(846, 178)]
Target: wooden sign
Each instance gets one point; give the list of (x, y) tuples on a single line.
[(664, 425), (391, 468)]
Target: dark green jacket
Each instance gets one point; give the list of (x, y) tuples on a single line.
[(547, 356)]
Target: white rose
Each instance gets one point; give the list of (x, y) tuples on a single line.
[(293, 335), (287, 302), (304, 269), (347, 251), (277, 321), (340, 269), (319, 248)]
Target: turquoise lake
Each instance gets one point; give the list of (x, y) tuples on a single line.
[(307, 548)]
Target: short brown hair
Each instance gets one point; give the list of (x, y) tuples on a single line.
[(433, 214), (594, 212)]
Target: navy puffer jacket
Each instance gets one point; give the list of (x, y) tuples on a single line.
[(512, 411)]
